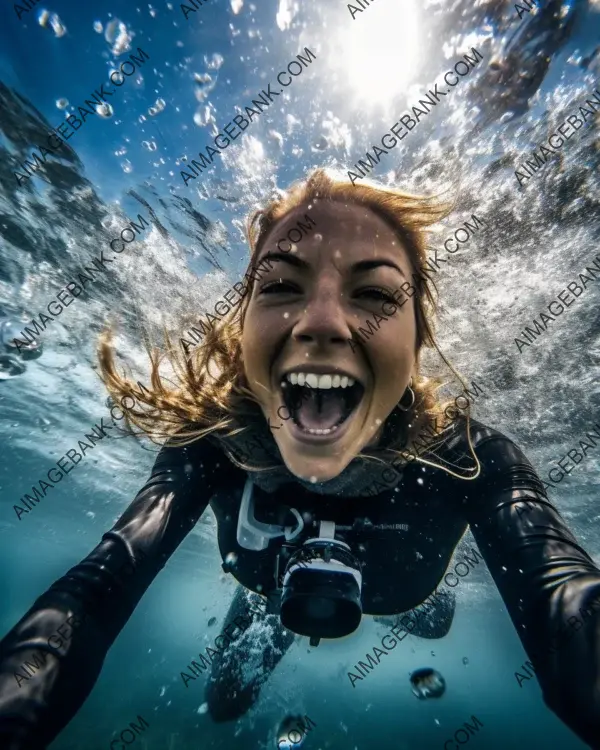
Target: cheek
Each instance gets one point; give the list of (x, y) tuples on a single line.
[(394, 342), (260, 335), (391, 351)]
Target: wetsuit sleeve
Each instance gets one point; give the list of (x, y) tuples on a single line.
[(50, 660), (550, 585)]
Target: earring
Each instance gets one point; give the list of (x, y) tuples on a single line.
[(412, 395)]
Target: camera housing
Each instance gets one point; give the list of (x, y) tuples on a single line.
[(321, 595)]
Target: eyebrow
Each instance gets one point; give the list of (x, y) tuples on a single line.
[(361, 267), (367, 265)]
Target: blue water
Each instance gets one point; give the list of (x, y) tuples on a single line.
[(366, 72)]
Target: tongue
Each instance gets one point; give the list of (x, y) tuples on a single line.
[(321, 409)]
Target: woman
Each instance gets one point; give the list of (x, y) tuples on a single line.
[(291, 393)]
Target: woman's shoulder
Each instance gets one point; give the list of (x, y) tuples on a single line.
[(181, 449), (495, 450), (479, 432)]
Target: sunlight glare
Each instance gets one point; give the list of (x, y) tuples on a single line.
[(379, 54)]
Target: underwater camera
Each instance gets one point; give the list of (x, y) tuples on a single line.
[(322, 580), (322, 589)]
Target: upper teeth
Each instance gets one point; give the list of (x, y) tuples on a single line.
[(319, 381)]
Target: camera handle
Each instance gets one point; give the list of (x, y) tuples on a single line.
[(255, 535)]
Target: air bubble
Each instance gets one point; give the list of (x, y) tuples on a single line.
[(62, 103), (58, 27), (10, 330), (10, 367), (56, 24), (289, 736), (427, 683), (150, 145), (231, 558), (105, 110), (157, 107), (202, 117), (111, 30)]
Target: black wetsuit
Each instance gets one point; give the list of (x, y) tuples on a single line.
[(404, 539)]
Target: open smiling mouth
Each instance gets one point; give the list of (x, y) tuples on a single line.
[(320, 404)]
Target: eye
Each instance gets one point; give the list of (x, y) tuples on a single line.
[(274, 287), (376, 293)]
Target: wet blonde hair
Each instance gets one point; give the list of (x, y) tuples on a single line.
[(210, 393)]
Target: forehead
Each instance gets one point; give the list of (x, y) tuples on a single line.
[(329, 224)]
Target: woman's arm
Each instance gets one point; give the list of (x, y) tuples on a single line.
[(549, 583), (50, 660)]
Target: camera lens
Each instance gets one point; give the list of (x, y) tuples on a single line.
[(322, 590)]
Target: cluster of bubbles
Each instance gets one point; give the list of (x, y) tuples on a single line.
[(157, 107), (203, 116), (46, 19), (116, 33), (150, 145), (204, 85)]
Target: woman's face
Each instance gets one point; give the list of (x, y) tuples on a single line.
[(303, 319)]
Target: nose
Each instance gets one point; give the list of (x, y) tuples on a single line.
[(324, 318)]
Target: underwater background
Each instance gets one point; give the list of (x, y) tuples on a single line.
[(371, 64)]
